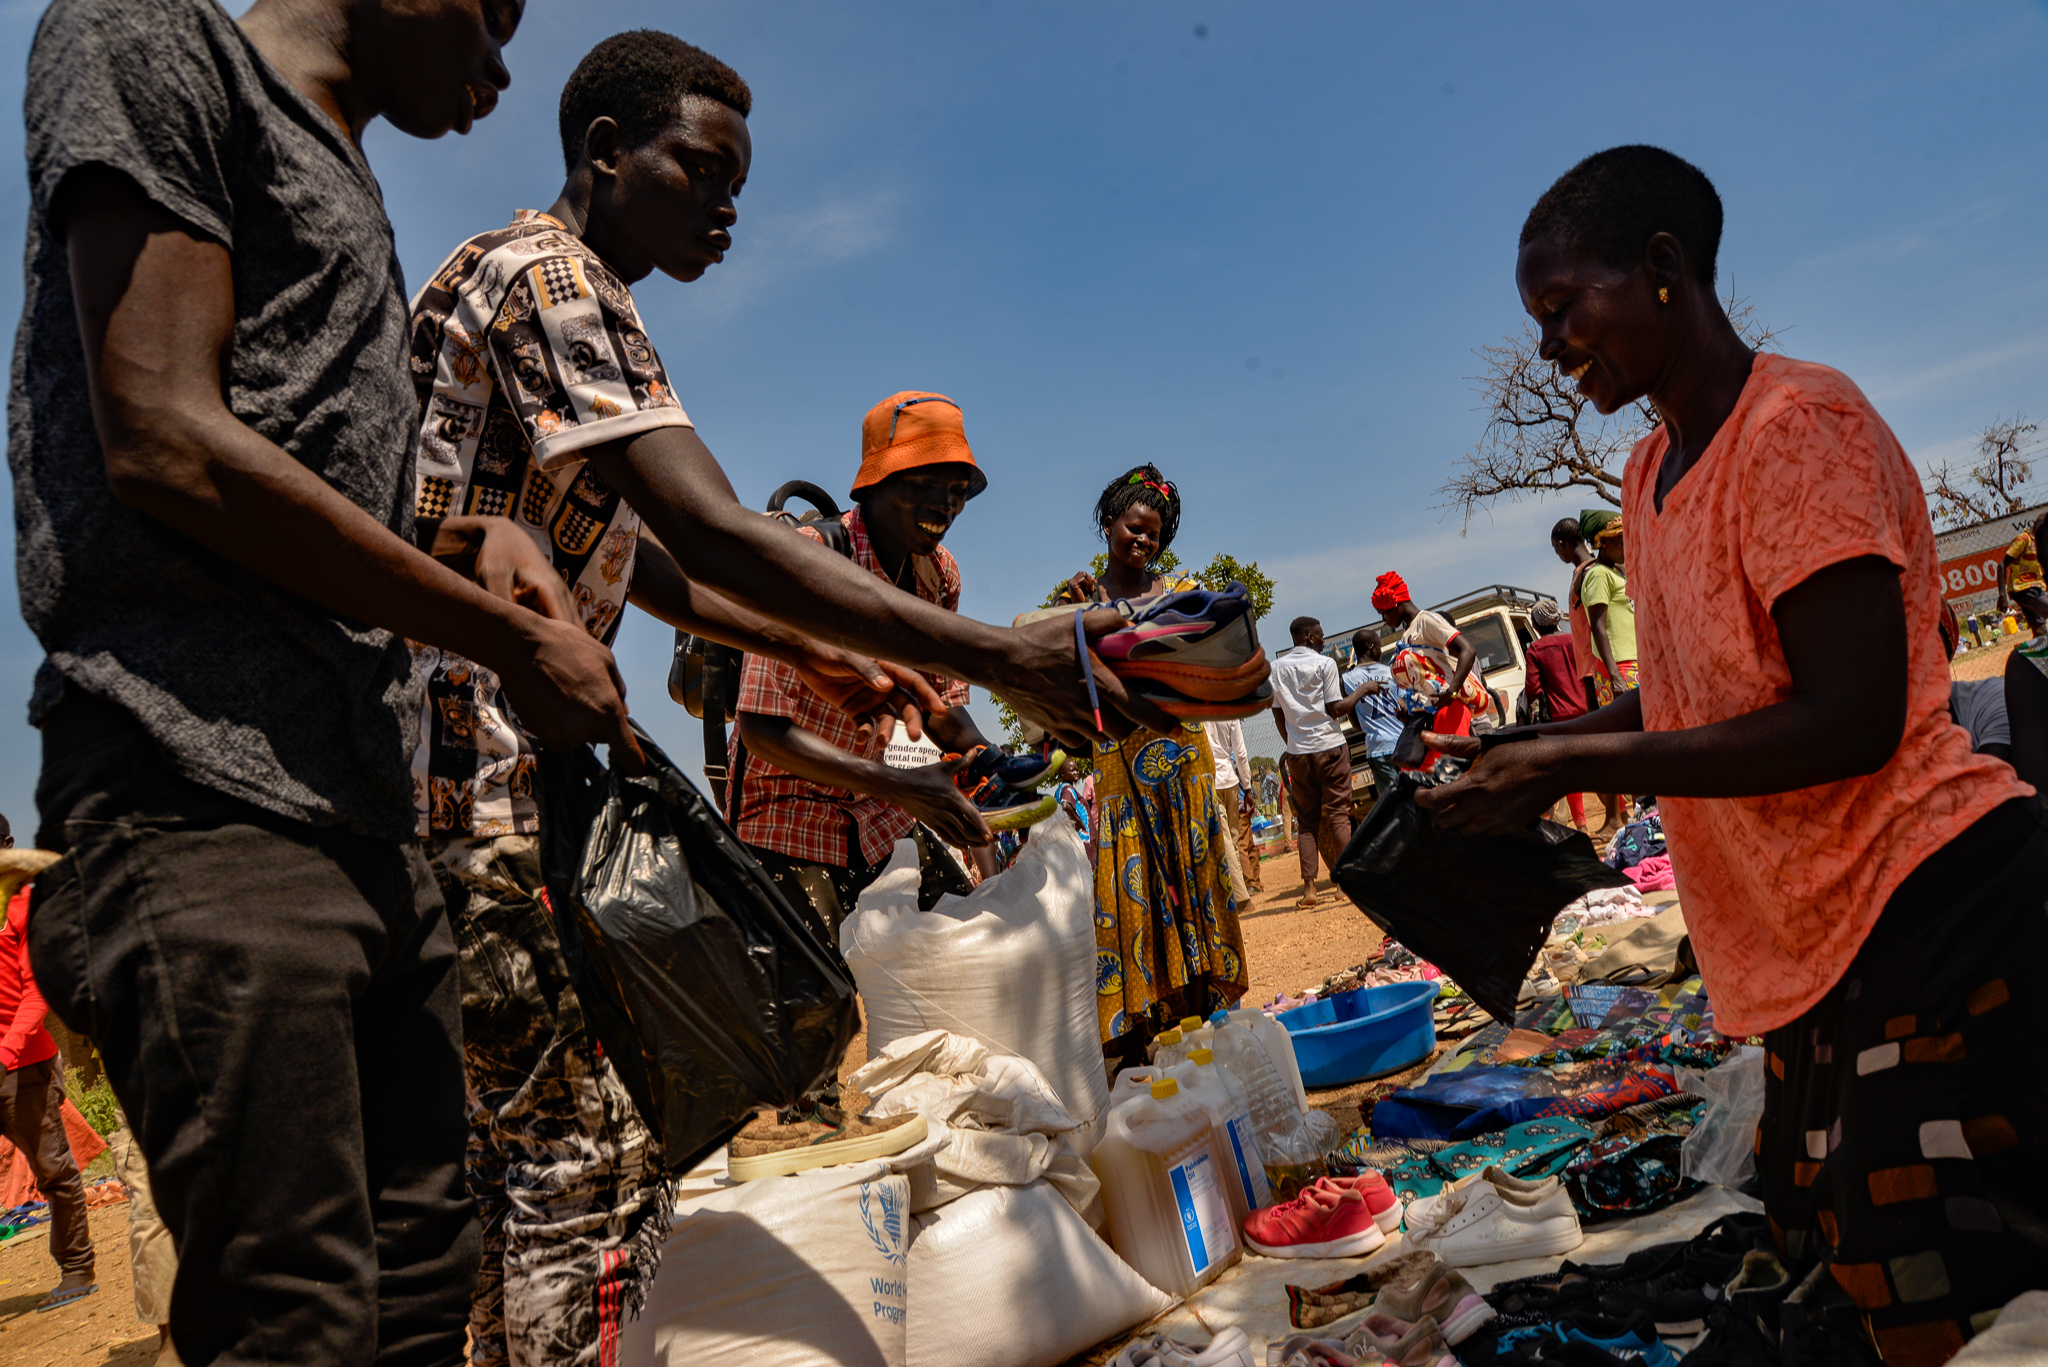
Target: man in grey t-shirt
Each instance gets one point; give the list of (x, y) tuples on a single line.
[(210, 430)]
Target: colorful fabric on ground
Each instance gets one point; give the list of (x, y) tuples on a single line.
[(1632, 1165), (1675, 1028), (1167, 942), (1637, 841), (1781, 890), (1530, 1149)]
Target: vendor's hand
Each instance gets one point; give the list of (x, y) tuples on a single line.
[(868, 690), (1244, 803), (929, 794), (1044, 683), (1082, 588), (1457, 747), (1505, 789)]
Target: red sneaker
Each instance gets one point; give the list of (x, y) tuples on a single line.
[(1319, 1223), (1378, 1196)]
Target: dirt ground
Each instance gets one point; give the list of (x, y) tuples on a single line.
[(99, 1331), (1983, 664)]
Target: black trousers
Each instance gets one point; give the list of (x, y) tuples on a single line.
[(279, 1010)]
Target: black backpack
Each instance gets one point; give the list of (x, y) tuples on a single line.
[(704, 676)]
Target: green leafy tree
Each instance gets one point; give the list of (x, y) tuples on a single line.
[(1221, 571)]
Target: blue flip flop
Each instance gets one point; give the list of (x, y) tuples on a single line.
[(57, 1300)]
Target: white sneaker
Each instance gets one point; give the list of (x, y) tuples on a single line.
[(1497, 1219), (1231, 1348)]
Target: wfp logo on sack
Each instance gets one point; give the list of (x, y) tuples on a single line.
[(881, 1211)]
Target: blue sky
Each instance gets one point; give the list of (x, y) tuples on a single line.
[(1260, 257)]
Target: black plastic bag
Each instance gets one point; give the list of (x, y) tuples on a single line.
[(711, 994), (1477, 906)]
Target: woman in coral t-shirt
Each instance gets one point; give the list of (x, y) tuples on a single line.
[(1861, 889)]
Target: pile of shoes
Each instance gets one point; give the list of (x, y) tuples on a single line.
[(1625, 1310), (1416, 1308), (1195, 654), (1003, 787)]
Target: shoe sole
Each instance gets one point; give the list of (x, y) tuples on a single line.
[(858, 1149), (1351, 1246), (1484, 1257), (1208, 685), (1050, 772), (1465, 1323), (1017, 818)]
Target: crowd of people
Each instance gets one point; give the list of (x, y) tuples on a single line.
[(318, 574)]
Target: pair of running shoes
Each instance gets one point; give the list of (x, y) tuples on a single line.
[(1194, 653)]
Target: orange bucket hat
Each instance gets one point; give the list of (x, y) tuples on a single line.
[(910, 429)]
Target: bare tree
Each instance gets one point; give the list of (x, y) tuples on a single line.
[(1994, 484), (1542, 436)]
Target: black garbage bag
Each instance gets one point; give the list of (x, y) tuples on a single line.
[(1477, 906), (710, 993)]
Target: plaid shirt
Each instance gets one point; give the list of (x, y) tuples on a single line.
[(794, 816)]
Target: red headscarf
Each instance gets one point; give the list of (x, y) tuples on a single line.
[(1390, 590)]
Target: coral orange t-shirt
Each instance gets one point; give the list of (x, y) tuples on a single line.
[(1780, 891)]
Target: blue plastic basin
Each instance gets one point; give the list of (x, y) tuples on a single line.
[(1356, 1035)]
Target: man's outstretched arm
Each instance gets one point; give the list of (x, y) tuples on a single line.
[(156, 315), (675, 484)]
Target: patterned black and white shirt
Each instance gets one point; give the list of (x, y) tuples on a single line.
[(526, 351)]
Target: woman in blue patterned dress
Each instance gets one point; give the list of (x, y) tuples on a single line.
[(1167, 943)]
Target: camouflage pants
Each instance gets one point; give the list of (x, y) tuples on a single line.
[(566, 1176)]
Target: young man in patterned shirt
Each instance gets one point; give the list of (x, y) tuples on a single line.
[(542, 401)]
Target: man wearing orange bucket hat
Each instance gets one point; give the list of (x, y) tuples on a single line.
[(809, 791)]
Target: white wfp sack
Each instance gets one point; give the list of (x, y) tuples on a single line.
[(1012, 1277), (802, 1271), (1011, 964)]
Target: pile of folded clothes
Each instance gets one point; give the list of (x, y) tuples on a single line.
[(1195, 654)]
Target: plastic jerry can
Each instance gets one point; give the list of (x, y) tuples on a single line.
[(1166, 1049), (1279, 1045), (1224, 1098), (1134, 1079), (1164, 1190), (1195, 1033)]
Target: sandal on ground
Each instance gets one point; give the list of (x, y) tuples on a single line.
[(64, 1295)]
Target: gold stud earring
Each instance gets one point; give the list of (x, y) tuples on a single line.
[(1663, 294)]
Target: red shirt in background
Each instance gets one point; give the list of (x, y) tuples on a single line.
[(23, 1040), (1554, 675)]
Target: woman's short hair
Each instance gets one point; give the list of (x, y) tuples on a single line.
[(1614, 202)]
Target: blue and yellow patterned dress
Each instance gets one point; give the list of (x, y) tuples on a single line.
[(1167, 943)]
